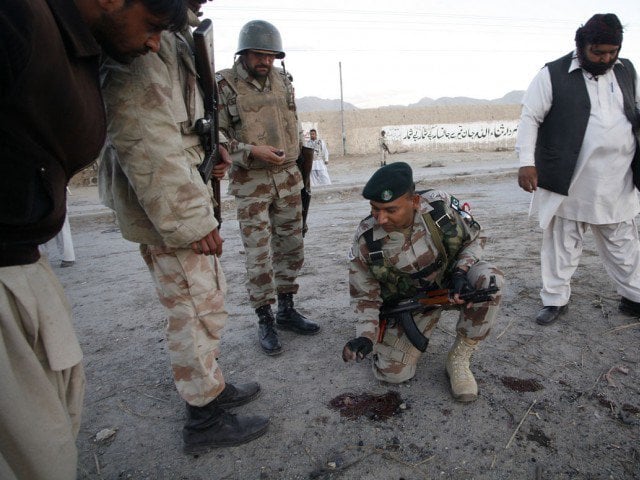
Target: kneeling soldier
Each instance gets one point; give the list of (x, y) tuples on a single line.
[(411, 244)]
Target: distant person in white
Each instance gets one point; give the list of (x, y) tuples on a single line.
[(63, 242), (579, 153), (319, 172)]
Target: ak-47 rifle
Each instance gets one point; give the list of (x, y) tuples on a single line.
[(305, 164), (401, 313), (207, 127)]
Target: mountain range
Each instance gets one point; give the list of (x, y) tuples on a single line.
[(315, 104)]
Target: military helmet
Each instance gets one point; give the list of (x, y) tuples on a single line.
[(260, 35)]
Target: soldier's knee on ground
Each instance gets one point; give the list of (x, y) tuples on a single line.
[(394, 365)]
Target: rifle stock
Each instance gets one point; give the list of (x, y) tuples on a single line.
[(207, 127)]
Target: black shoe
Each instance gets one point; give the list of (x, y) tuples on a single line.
[(267, 334), (629, 307), (288, 318), (212, 427), (548, 315), (235, 395)]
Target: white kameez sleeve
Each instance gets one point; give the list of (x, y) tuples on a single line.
[(535, 106), (325, 152)]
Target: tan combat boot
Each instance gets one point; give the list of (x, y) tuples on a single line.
[(463, 386)]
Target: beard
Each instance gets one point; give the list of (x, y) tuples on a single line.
[(594, 68), (107, 30), (259, 74)]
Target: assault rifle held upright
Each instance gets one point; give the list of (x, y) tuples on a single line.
[(207, 127), (305, 163), (401, 313)]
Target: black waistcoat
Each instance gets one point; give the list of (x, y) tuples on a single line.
[(561, 133)]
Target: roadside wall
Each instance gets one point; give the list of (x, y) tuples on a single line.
[(441, 128), (454, 128)]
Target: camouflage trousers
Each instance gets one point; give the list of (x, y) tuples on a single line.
[(271, 230), (395, 359), (191, 287), (383, 156)]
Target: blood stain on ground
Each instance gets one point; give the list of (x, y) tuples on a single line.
[(521, 384), (374, 407)]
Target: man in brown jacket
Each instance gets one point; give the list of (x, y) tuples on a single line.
[(52, 125)]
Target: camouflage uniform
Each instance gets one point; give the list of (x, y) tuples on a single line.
[(267, 196), (384, 149), (149, 177), (407, 253)]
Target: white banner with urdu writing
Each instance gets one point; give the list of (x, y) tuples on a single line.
[(447, 133)]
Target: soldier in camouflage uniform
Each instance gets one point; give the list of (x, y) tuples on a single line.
[(149, 176), (258, 115), (384, 149), (411, 241)]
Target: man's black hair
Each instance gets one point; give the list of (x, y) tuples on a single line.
[(174, 12), (602, 28)]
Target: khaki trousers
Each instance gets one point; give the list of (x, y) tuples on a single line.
[(41, 377), (617, 245)]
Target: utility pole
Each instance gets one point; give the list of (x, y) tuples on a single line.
[(344, 136)]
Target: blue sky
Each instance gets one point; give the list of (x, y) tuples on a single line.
[(399, 52)]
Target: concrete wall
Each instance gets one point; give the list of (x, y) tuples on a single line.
[(362, 127)]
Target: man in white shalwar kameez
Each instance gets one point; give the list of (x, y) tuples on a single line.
[(319, 173), (578, 151)]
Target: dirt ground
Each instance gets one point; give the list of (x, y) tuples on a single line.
[(558, 402)]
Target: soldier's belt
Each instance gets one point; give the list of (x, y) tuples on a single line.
[(275, 168)]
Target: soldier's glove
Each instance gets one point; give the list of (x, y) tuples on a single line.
[(459, 282), (361, 346)]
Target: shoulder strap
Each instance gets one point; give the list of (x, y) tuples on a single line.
[(436, 235), (437, 221), (374, 246)]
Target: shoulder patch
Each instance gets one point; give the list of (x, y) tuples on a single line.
[(364, 226), (352, 254)]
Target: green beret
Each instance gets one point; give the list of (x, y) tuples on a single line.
[(389, 182)]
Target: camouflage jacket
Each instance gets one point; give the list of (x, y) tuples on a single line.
[(408, 254), (149, 174)]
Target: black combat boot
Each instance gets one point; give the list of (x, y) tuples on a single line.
[(212, 427), (288, 318), (267, 334), (629, 307), (235, 395)]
